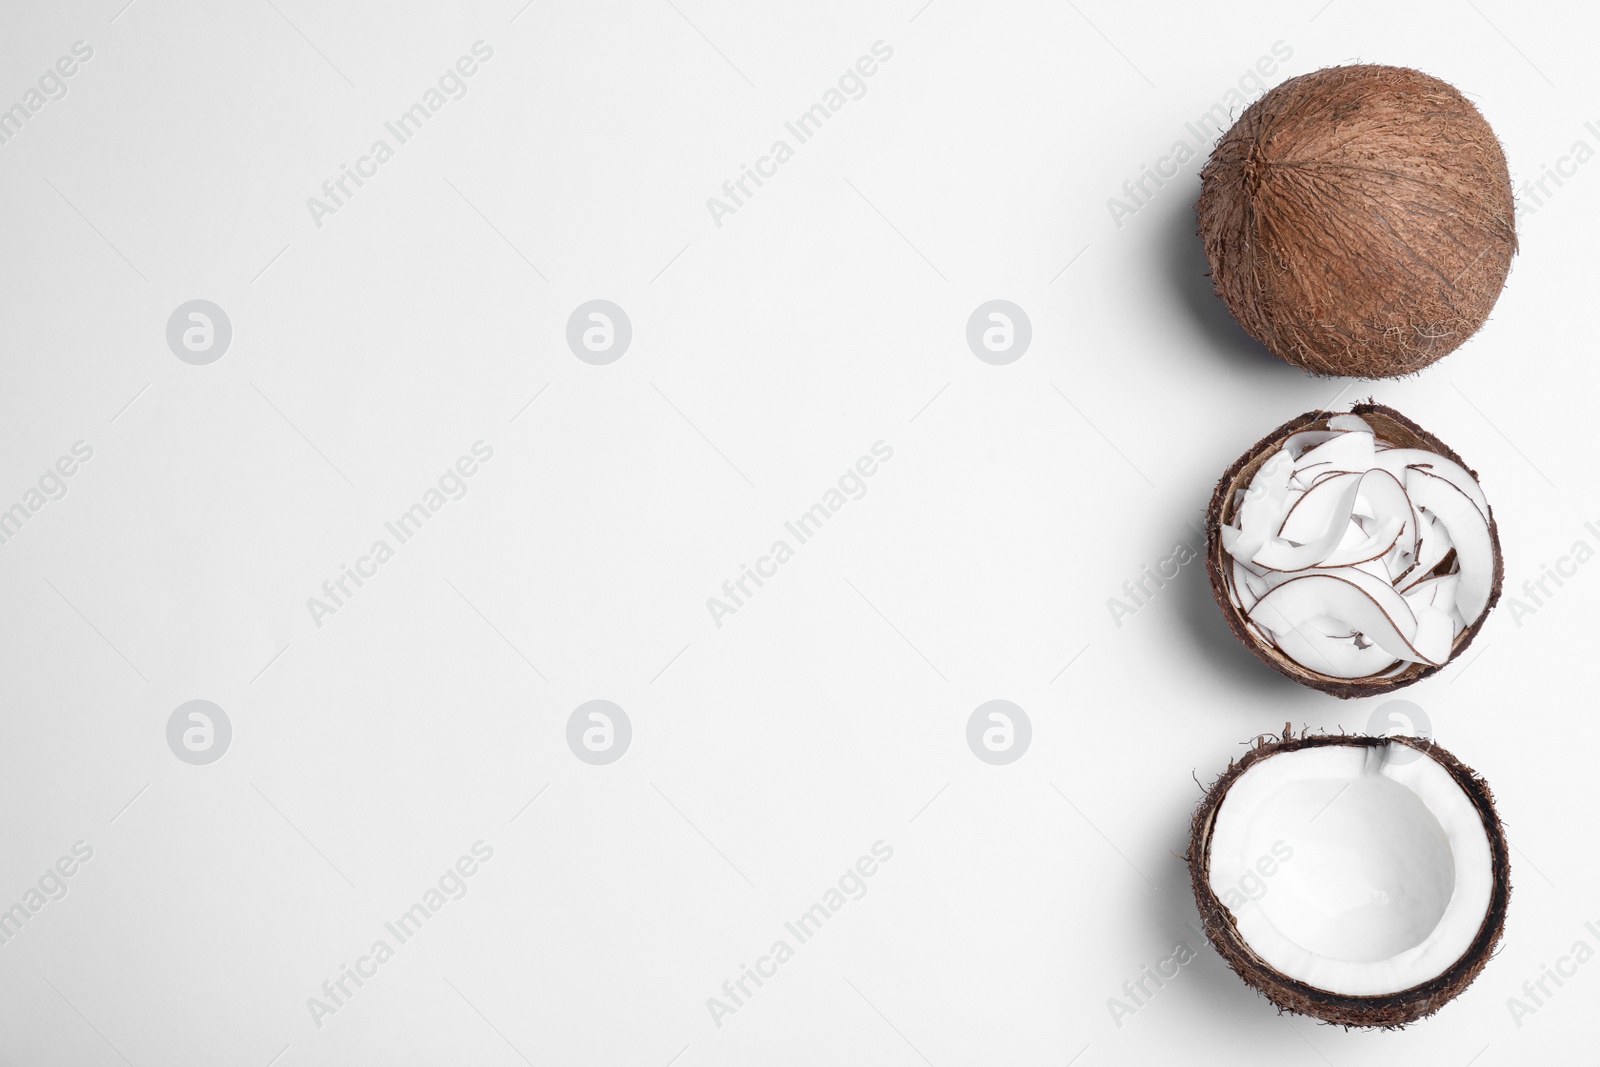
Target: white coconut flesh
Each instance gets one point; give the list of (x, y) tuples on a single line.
[(1337, 546), (1380, 867)]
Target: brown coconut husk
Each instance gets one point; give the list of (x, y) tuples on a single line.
[(1391, 428), (1359, 220), (1391, 1010)]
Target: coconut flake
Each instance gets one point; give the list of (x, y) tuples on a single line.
[(1367, 605), (1437, 592), (1349, 421), (1334, 654), (1327, 504), (1469, 535), (1398, 460), (1350, 451)]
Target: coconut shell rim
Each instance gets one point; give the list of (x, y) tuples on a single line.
[(1221, 508), (1385, 1011)]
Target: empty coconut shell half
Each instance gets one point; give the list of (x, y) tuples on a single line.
[(1354, 553), (1358, 880)]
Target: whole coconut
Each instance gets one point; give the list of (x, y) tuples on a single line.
[(1359, 220)]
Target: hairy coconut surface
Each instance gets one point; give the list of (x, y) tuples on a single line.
[(1387, 1011), (1391, 428), (1359, 220)]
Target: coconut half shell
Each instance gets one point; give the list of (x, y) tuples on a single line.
[(1391, 428), (1389, 1010)]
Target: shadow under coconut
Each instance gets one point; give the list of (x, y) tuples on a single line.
[(1242, 672), (1186, 278), (1206, 978)]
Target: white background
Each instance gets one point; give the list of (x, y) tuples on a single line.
[(768, 354)]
